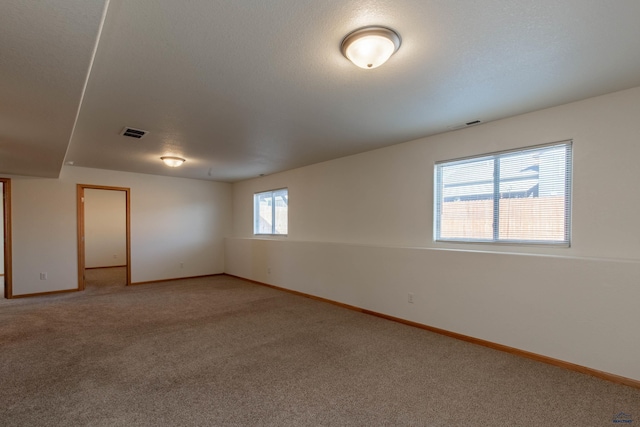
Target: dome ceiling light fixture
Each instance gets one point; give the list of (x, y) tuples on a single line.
[(370, 47), (172, 161)]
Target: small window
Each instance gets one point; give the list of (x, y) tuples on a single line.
[(519, 196), (270, 212)]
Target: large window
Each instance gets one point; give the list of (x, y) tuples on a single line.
[(519, 196), (270, 212)]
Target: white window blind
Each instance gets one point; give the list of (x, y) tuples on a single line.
[(271, 212), (521, 196)]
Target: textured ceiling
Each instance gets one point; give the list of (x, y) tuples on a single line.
[(45, 53), (242, 88)]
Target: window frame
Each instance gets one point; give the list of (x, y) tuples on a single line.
[(568, 179), (256, 213)]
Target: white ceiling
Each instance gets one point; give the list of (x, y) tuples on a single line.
[(243, 88)]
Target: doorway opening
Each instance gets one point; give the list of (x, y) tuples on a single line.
[(5, 208), (104, 235)]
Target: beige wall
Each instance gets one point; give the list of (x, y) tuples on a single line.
[(385, 197), (173, 220), (361, 232), (105, 228)]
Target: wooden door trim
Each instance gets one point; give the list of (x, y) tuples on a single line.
[(80, 220), (6, 224)]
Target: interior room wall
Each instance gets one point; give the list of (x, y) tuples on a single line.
[(105, 228), (361, 233), (173, 221)]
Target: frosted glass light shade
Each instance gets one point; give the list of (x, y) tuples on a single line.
[(172, 161), (370, 47)]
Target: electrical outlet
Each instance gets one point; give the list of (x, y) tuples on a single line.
[(410, 298), (182, 265), (43, 276), (115, 256), (268, 270)]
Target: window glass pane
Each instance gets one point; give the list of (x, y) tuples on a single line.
[(532, 190), (520, 196), (466, 209), (270, 212), (265, 213), (281, 198)]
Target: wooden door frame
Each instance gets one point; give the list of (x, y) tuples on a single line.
[(80, 218), (6, 226)]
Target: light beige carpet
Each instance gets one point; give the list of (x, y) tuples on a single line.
[(220, 351)]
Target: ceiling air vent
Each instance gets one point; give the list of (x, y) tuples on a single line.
[(133, 133)]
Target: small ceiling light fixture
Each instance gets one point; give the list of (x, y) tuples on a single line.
[(172, 161), (370, 47)]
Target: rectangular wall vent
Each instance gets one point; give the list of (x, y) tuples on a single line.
[(133, 133), (465, 125)]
